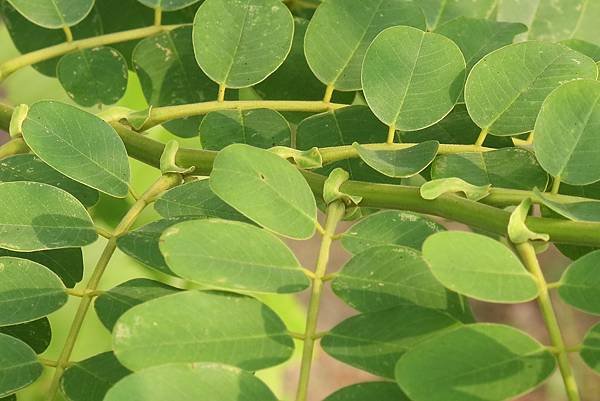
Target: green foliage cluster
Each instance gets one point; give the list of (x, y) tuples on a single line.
[(384, 111)]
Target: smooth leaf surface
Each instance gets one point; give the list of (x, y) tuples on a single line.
[(195, 199), (263, 128), (590, 352), (19, 365), (112, 304), (397, 77), (387, 276), (238, 43), (27, 167), (505, 89), (474, 352), (380, 391), (197, 381), (589, 49), (90, 379), (502, 168), (97, 159), (375, 341), (196, 326), (168, 5), (37, 216), (576, 211), (53, 13), (389, 227), (566, 139), (28, 291), (93, 76), (441, 11), (37, 333), (580, 283), (216, 253), (564, 19), (479, 267), (340, 32), (265, 188), (399, 163)]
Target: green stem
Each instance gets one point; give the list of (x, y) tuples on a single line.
[(391, 134), (13, 147), (162, 184), (481, 138), (555, 185), (10, 66), (68, 33), (328, 94), (529, 258), (157, 16), (335, 213)]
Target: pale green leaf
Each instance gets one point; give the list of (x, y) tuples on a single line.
[(193, 382), (197, 326), (518, 232), (375, 341), (438, 187), (341, 31), (112, 304), (19, 366), (387, 276), (580, 283), (479, 362), (399, 163), (576, 211), (566, 139), (168, 5), (380, 391), (389, 227), (565, 19), (589, 49), (37, 333), (98, 159), (266, 189), (28, 291), (37, 216), (590, 352), (505, 89), (441, 11), (232, 255), (262, 128), (53, 13), (478, 267), (238, 43), (90, 379), (502, 168), (397, 73)]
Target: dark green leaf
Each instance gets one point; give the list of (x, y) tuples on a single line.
[(399, 163), (590, 352), (37, 333), (577, 211), (19, 366), (580, 284), (168, 5), (380, 391)]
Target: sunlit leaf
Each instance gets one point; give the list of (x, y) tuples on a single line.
[(580, 283), (53, 13), (19, 365), (399, 163), (453, 365)]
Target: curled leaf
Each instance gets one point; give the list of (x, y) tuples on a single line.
[(399, 163), (436, 188), (16, 122), (306, 159), (517, 229), (167, 160), (331, 189)]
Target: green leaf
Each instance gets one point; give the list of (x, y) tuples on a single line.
[(93, 76), (90, 379), (142, 244), (53, 13), (399, 163), (195, 199), (238, 43), (168, 5), (37, 333), (28, 167), (197, 326), (266, 189), (37, 216), (441, 11), (589, 49), (503, 168), (518, 232), (565, 19), (97, 159), (590, 352), (67, 263), (390, 227), (576, 211), (374, 341), (262, 128), (478, 267), (505, 90), (28, 291), (580, 284), (566, 141), (387, 276), (456, 365), (112, 304), (169, 75), (19, 366), (436, 188), (196, 381), (380, 391), (340, 33), (344, 127), (232, 255), (397, 72)]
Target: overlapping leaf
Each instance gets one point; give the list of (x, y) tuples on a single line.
[(580, 283), (590, 351), (53, 13), (399, 163), (441, 11), (37, 333), (19, 365), (380, 391)]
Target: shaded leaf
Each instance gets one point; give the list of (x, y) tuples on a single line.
[(441, 11), (399, 163), (577, 211), (590, 351), (168, 5), (564, 19), (580, 283), (589, 49), (19, 366), (380, 391), (37, 333), (53, 13)]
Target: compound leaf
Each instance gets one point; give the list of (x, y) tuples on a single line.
[(19, 366)]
